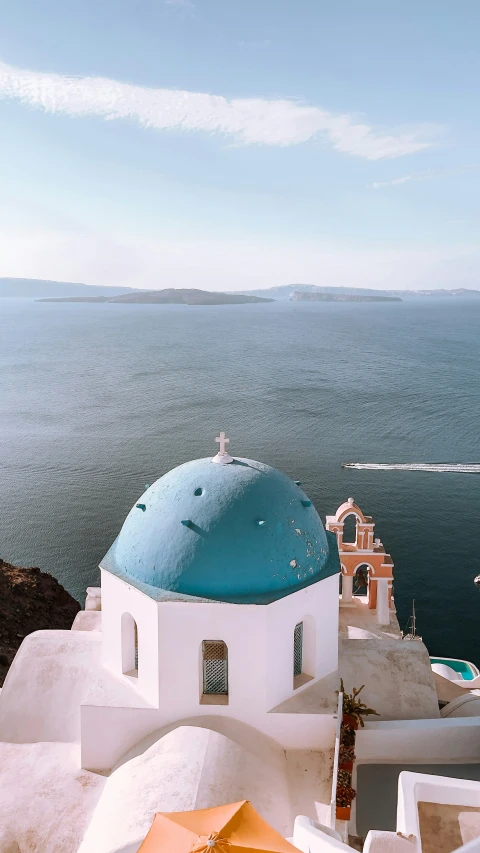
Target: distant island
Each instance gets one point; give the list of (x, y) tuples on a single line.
[(34, 288), (39, 289), (287, 291), (302, 296), (169, 296)]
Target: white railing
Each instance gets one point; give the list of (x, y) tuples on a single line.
[(333, 801)]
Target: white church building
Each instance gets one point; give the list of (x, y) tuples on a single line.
[(203, 670)]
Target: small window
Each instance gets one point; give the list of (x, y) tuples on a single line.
[(298, 649), (215, 668), (129, 645)]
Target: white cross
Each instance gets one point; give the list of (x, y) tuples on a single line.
[(223, 441)]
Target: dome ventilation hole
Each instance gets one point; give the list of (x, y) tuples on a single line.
[(198, 492)]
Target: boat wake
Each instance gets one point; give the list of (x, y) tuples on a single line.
[(441, 468)]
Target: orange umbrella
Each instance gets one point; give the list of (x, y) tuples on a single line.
[(234, 828)]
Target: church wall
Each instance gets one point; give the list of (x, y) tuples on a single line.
[(319, 601), (118, 598), (259, 639), (182, 628)]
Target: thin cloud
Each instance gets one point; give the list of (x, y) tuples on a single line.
[(405, 179), (182, 4), (426, 176), (249, 121)]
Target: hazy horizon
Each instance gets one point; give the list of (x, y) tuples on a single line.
[(217, 290)]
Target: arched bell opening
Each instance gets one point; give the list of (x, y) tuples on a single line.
[(361, 580), (350, 529)]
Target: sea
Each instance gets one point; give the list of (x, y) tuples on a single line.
[(98, 400)]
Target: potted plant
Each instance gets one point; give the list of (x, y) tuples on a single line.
[(346, 757), (345, 797), (353, 709), (347, 735), (344, 778)]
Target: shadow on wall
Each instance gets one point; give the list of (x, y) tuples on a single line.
[(241, 733)]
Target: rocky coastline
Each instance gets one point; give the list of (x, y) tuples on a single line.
[(30, 600)]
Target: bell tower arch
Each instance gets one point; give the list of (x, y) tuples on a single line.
[(365, 553)]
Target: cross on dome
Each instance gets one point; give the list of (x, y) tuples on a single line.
[(222, 456), (222, 441)]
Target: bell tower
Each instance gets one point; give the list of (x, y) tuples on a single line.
[(365, 552)]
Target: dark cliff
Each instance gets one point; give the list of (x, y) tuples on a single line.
[(30, 600)]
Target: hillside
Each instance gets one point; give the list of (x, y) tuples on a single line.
[(169, 296), (34, 288), (30, 600)]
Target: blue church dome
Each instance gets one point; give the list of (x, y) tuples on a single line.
[(241, 532)]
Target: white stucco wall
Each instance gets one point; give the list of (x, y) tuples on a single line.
[(46, 801), (108, 733), (440, 741), (319, 601), (259, 639), (311, 837), (119, 598), (422, 787), (46, 684), (182, 628)]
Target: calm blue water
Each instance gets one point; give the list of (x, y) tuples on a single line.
[(97, 400)]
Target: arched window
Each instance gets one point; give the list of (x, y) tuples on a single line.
[(129, 646), (215, 668), (350, 529), (304, 651), (298, 650)]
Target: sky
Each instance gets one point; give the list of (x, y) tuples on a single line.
[(237, 144)]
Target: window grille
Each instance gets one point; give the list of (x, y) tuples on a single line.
[(215, 667), (298, 649)]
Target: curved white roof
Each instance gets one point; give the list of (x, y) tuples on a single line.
[(189, 768)]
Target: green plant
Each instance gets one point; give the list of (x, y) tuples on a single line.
[(346, 753), (353, 706), (345, 796)]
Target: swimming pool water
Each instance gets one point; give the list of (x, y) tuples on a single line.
[(460, 666)]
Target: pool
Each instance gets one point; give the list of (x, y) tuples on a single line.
[(466, 670)]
